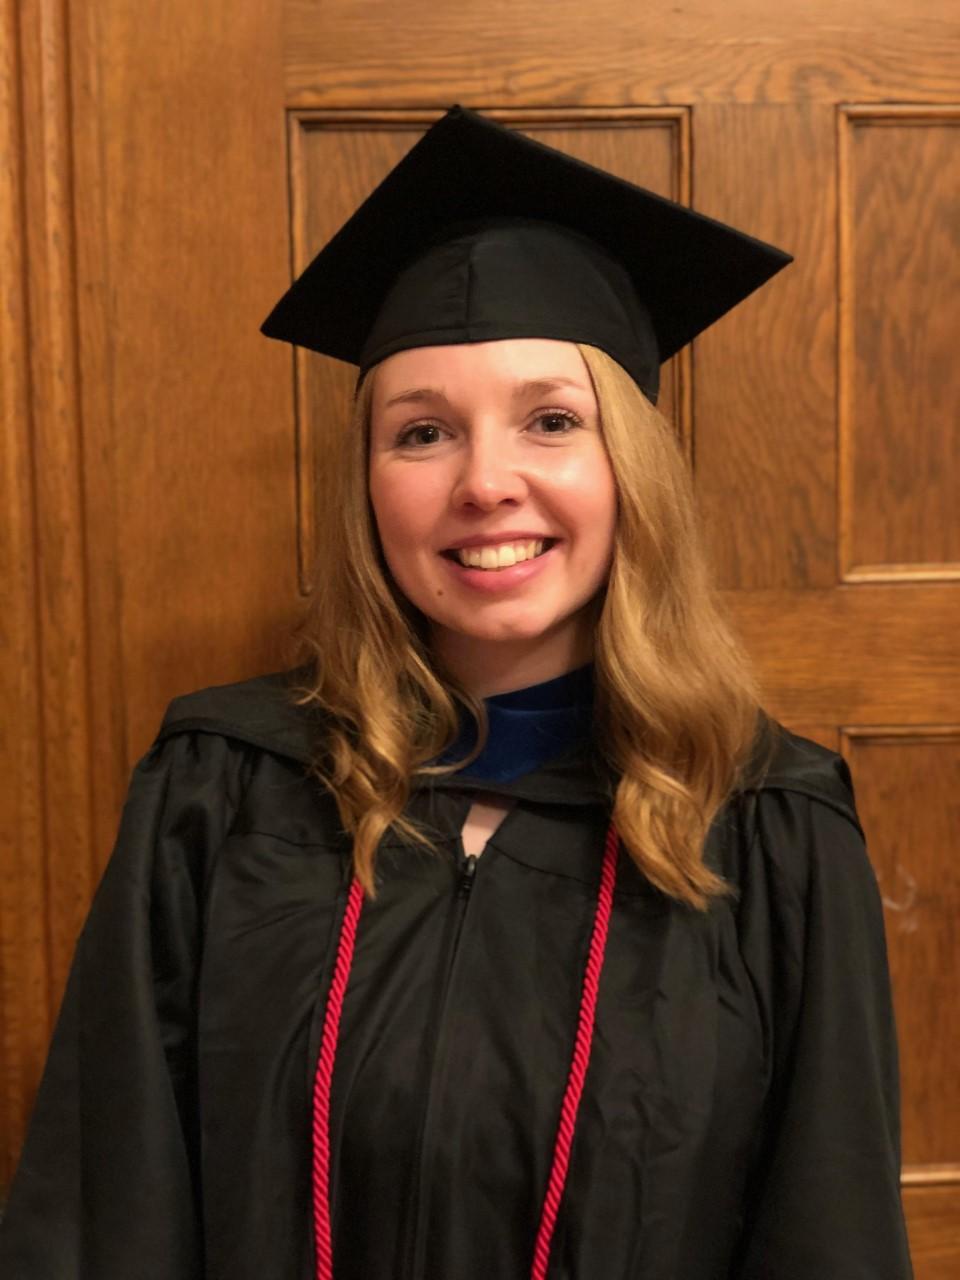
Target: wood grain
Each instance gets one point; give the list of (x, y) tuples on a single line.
[(872, 655), (56, 437), (485, 53), (193, 246), (24, 974), (933, 1221), (765, 375), (900, 315), (96, 276), (915, 774)]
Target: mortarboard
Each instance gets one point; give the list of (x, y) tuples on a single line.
[(480, 233)]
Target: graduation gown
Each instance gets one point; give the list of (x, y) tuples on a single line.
[(740, 1114)]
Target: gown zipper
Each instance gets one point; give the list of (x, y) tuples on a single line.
[(419, 1202)]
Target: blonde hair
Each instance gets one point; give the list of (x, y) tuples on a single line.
[(676, 705)]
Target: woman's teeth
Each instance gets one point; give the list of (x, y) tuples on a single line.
[(500, 557)]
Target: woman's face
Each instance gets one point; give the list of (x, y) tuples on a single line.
[(495, 444)]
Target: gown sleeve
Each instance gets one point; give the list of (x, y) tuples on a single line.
[(106, 1183), (825, 1198)]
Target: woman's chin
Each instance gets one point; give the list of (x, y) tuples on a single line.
[(470, 627)]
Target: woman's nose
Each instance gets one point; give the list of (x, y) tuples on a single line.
[(488, 473)]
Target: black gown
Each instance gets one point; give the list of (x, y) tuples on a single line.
[(740, 1116)]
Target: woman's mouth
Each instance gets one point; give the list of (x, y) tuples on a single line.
[(504, 555), (501, 576)]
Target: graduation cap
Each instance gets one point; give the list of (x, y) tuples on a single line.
[(480, 233)]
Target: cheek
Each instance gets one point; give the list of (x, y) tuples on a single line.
[(403, 506), (590, 498)]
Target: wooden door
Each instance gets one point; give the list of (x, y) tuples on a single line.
[(166, 168)]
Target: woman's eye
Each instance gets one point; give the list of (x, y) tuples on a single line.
[(404, 437), (559, 415)]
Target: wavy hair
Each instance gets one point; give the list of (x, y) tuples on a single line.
[(677, 705)]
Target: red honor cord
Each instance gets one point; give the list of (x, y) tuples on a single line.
[(571, 1099)]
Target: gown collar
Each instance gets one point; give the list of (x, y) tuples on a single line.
[(554, 744), (540, 745)]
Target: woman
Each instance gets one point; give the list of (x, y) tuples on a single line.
[(507, 936)]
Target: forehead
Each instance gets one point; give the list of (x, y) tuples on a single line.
[(488, 368)]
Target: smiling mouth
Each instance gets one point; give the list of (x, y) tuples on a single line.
[(517, 554)]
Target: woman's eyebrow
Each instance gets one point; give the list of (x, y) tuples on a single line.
[(535, 386)]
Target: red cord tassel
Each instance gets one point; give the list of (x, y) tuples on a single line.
[(323, 1237), (581, 1060)]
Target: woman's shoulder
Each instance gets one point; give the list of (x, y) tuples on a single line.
[(259, 712), (784, 761), (795, 825)]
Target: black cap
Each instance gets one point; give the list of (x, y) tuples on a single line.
[(481, 233)]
